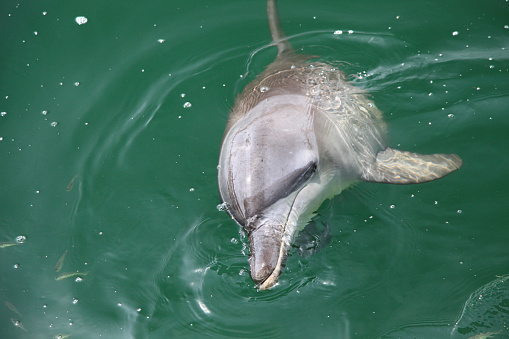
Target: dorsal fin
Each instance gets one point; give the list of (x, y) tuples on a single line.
[(278, 36)]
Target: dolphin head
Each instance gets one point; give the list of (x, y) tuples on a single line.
[(266, 158)]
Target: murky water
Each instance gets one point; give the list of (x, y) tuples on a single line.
[(109, 138)]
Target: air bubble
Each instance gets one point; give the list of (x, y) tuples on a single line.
[(81, 20)]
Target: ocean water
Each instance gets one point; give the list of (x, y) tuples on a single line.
[(111, 120)]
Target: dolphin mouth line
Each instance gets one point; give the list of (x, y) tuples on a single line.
[(273, 278)]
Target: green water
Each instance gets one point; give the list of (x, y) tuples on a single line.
[(104, 102)]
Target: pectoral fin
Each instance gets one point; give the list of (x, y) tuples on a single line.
[(399, 167)]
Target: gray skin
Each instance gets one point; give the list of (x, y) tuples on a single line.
[(297, 135)]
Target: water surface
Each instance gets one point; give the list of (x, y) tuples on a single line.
[(131, 106)]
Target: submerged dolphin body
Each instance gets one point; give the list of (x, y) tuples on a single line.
[(297, 135)]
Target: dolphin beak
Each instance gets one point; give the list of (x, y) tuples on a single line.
[(268, 253)]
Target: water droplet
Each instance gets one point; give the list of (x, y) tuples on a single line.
[(44, 112), (35, 33), (450, 115), (16, 265), (234, 241), (392, 206), (74, 301), (3, 113), (54, 124), (459, 211), (76, 84), (338, 32), (78, 279), (81, 20), (183, 95), (264, 89), (455, 33), (223, 207), (187, 104), (191, 189), (160, 41), (44, 13), (21, 239)]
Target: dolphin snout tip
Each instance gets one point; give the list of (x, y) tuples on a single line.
[(265, 278), (263, 271)]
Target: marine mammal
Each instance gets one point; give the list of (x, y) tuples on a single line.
[(297, 135)]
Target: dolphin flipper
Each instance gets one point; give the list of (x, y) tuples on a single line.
[(400, 167)]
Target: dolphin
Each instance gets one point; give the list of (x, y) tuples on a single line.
[(297, 135)]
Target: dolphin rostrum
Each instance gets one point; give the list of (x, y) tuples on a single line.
[(297, 135)]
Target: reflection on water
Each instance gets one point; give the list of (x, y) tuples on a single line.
[(486, 312)]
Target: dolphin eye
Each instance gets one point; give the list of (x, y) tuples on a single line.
[(304, 176)]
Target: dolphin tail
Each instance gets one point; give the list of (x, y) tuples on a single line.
[(399, 167), (278, 36)]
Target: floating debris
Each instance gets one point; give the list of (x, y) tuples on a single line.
[(12, 308), (18, 323), (69, 187), (68, 275), (60, 262), (8, 244)]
